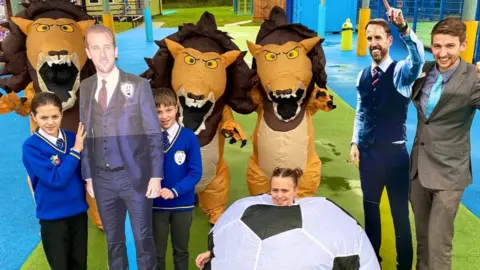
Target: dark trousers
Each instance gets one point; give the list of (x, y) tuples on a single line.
[(65, 242), (115, 196), (178, 224), (387, 166), (434, 212)]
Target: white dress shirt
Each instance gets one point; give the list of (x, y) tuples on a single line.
[(50, 138), (112, 81), (172, 131)]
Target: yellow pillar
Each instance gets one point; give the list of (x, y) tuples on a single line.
[(467, 55), (108, 22), (364, 17)]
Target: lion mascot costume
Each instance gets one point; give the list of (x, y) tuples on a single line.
[(45, 52), (207, 71), (288, 60)]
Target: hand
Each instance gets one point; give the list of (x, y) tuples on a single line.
[(233, 130), (89, 187), (80, 137), (394, 15), (202, 259), (478, 70), (153, 188), (320, 100), (354, 155), (166, 194)]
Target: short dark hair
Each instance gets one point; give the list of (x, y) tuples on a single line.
[(295, 174), (45, 98), (380, 22), (164, 96), (98, 28), (450, 26)]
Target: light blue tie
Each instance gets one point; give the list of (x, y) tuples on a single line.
[(434, 97)]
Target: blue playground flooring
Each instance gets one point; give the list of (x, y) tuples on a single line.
[(19, 229)]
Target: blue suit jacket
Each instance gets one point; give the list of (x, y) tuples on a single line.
[(137, 128)]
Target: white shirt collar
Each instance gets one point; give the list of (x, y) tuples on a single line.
[(111, 78), (172, 131), (50, 138), (383, 65)]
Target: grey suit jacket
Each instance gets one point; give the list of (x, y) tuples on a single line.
[(441, 149), (137, 128)]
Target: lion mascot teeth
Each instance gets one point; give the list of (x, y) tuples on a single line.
[(288, 60), (208, 73), (45, 52)]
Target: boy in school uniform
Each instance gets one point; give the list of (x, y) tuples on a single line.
[(51, 157), (182, 168)]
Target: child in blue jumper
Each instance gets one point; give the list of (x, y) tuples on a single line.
[(182, 167), (51, 157)]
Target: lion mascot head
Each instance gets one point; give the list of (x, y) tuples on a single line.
[(206, 70), (46, 47), (288, 61)]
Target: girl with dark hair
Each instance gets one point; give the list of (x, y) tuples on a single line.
[(51, 157), (283, 190)]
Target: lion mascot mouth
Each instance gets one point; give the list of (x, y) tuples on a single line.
[(45, 49)]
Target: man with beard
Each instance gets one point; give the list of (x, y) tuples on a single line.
[(446, 96), (378, 143)]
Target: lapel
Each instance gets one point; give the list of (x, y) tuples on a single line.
[(452, 86), (417, 87), (90, 101), (119, 98)]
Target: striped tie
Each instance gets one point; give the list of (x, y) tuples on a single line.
[(166, 142), (60, 143), (377, 73)]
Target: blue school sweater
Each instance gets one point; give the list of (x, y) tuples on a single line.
[(182, 168), (55, 176)]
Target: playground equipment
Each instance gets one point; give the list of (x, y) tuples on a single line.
[(243, 7), (346, 40)]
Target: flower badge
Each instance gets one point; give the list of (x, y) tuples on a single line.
[(127, 89), (55, 160)]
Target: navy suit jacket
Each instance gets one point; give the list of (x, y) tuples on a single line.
[(137, 127)]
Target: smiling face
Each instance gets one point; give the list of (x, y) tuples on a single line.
[(285, 72), (102, 50), (378, 42), (446, 50), (167, 115), (55, 49), (283, 190), (199, 79)]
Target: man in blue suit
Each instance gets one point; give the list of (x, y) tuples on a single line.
[(123, 153), (379, 136)]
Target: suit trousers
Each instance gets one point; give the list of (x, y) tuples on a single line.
[(380, 167), (434, 212), (178, 223), (65, 242), (115, 196)]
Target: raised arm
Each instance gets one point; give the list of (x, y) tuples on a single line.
[(408, 70)]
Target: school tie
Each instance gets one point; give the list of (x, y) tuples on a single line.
[(102, 96), (166, 142), (60, 143), (377, 73), (434, 97)]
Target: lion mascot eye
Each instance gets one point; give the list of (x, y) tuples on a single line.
[(270, 56), (292, 54), (190, 60), (43, 28), (66, 28), (211, 64)]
